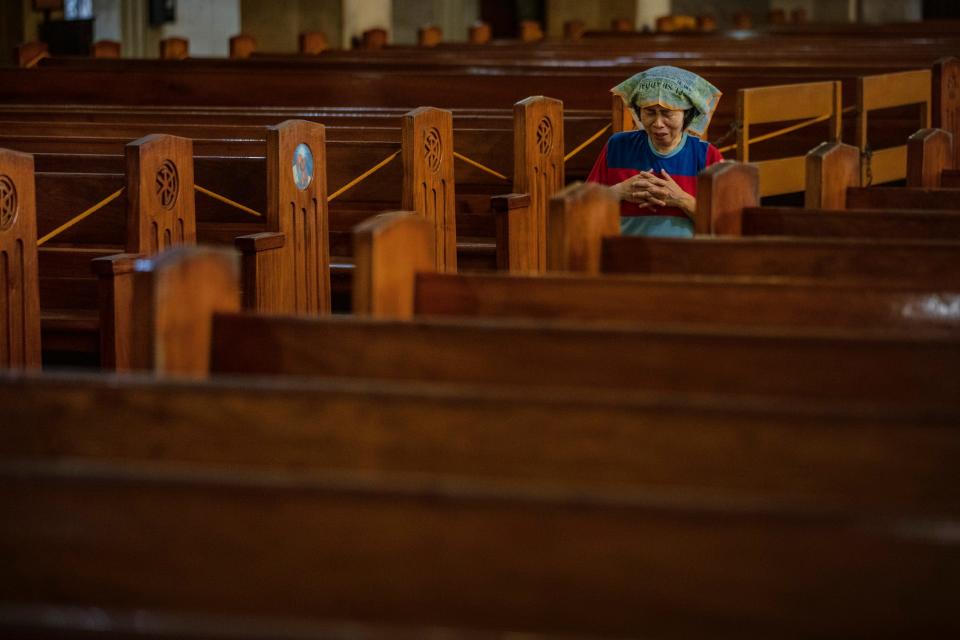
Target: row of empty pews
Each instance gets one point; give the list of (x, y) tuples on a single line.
[(344, 367)]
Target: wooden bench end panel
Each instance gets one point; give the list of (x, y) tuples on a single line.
[(174, 48), (297, 207), (261, 263), (723, 191), (929, 154), (176, 294), (479, 33), (428, 178), (19, 279), (115, 276), (946, 99), (161, 209), (105, 49), (429, 36), (518, 250), (242, 46), (832, 167), (580, 216), (538, 160), (389, 250), (313, 42)]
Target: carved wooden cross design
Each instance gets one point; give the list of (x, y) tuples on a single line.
[(168, 184), (8, 202), (433, 149), (544, 136)]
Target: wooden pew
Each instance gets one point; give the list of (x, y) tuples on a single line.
[(396, 279), (728, 202), (19, 288), (314, 548), (656, 357), (836, 181)]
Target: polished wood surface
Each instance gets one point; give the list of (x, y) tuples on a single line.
[(174, 295), (19, 285), (882, 365), (891, 260), (538, 163), (390, 249), (704, 300), (174, 48), (580, 215), (929, 154), (428, 184)]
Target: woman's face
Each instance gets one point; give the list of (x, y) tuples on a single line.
[(664, 126)]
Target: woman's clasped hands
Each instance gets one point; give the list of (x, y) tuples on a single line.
[(655, 189)]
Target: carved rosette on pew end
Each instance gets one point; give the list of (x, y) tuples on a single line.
[(19, 281), (161, 214), (538, 164), (428, 177), (286, 269)]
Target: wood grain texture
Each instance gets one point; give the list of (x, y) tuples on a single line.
[(832, 167), (785, 104), (538, 160), (518, 247), (858, 259), (175, 294), (702, 300), (19, 276), (580, 215), (428, 179), (161, 210), (301, 215), (946, 100), (723, 190), (929, 154), (389, 250), (880, 366), (469, 554), (892, 224)]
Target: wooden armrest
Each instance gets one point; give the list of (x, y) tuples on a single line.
[(504, 203), (117, 264), (257, 242)]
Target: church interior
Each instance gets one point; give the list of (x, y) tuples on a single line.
[(362, 319)]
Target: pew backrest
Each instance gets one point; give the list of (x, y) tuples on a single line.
[(883, 92), (814, 101)]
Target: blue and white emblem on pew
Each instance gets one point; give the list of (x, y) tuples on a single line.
[(302, 166)]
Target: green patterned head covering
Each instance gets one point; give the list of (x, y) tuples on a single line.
[(673, 88)]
